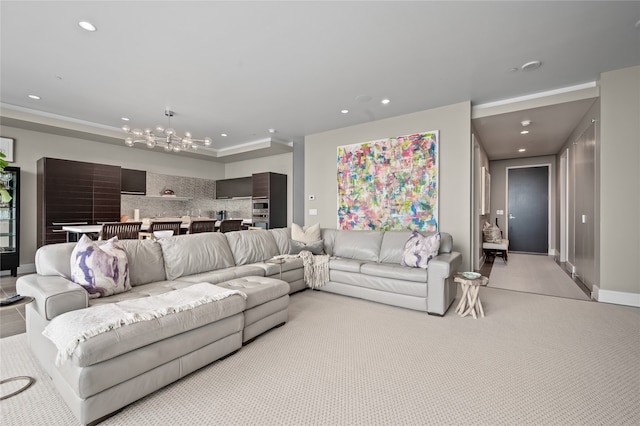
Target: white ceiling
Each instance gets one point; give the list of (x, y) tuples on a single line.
[(243, 68)]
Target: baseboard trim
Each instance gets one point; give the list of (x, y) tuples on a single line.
[(27, 268), (616, 297)]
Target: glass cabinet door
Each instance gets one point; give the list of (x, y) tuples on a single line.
[(10, 220)]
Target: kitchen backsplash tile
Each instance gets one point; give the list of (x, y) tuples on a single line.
[(194, 196)]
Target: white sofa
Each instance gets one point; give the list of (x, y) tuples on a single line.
[(113, 369), (366, 264)]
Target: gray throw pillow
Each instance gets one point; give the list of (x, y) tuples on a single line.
[(316, 247)]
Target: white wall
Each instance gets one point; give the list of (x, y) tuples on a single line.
[(282, 164), (619, 178), (454, 124), (30, 146)]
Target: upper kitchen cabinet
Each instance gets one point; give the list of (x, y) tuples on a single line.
[(269, 200), (73, 193), (234, 188)]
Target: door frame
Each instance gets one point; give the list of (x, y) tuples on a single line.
[(550, 251), (564, 206)]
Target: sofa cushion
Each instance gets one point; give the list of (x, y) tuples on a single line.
[(329, 238), (419, 250), (316, 247), (392, 247), (252, 246), (283, 239), (146, 264), (359, 245), (305, 234), (195, 253), (102, 270), (346, 265), (394, 271)]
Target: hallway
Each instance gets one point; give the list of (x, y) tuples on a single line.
[(533, 274)]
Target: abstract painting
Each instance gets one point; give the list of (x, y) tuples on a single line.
[(389, 184)]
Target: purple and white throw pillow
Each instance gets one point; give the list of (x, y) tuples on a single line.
[(419, 250), (102, 270)]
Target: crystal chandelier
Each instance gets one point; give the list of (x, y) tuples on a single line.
[(164, 137)]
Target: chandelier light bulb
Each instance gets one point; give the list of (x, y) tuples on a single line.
[(166, 138)]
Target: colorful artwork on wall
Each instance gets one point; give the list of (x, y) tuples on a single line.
[(389, 184)]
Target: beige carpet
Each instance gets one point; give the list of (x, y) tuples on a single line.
[(534, 274), (343, 361)]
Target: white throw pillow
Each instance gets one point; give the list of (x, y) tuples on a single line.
[(419, 250), (102, 270), (307, 234)]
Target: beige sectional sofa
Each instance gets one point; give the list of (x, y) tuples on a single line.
[(113, 369)]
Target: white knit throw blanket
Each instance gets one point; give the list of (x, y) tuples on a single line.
[(66, 331), (316, 267)]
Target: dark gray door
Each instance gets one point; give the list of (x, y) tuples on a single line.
[(529, 209)]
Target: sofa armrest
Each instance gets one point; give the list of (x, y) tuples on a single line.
[(53, 295), (441, 289)]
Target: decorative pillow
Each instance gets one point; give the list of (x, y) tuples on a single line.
[(102, 270), (316, 247), (419, 250), (307, 234), (492, 234)]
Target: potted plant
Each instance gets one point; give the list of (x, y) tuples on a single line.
[(5, 197)]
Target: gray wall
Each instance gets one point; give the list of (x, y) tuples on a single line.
[(454, 124), (619, 177)]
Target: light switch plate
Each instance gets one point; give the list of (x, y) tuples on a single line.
[(313, 212)]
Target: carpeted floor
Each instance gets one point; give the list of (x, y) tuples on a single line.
[(342, 361), (534, 274)]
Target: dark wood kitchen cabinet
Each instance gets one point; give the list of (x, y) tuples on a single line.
[(269, 199), (74, 193)]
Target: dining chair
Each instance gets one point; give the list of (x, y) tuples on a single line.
[(122, 230), (161, 226), (198, 226), (231, 225)]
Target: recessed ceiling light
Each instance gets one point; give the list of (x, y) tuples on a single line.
[(525, 123), (36, 97), (385, 101), (86, 25), (224, 135), (345, 111), (530, 66), (272, 130), (521, 150), (524, 132), (125, 119)]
